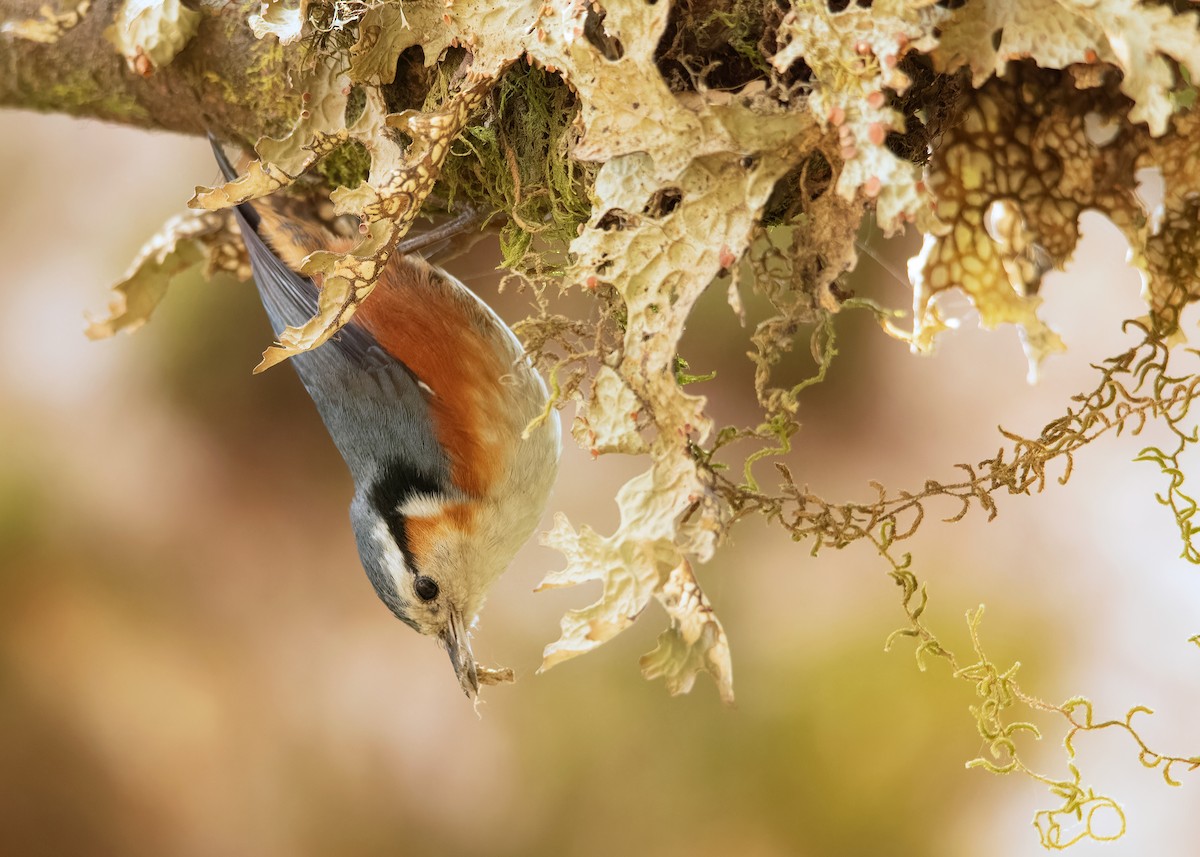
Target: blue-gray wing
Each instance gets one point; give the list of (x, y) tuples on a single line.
[(290, 299), (372, 404)]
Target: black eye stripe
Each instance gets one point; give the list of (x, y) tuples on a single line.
[(398, 483), (399, 531)]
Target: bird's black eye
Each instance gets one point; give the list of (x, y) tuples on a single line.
[(426, 588)]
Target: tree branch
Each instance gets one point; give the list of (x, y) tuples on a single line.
[(224, 80)]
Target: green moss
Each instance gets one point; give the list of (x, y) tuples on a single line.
[(229, 93), (262, 86), (717, 45), (741, 28), (356, 103), (516, 160), (81, 92), (264, 83), (270, 57), (1184, 94), (346, 166)]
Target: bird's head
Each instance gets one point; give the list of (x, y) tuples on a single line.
[(431, 562)]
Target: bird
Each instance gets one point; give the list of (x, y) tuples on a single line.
[(427, 394)]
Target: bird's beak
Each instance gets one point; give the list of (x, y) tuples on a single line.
[(458, 645)]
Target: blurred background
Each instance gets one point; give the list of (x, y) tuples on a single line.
[(192, 661)]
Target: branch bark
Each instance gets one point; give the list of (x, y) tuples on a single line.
[(224, 80)]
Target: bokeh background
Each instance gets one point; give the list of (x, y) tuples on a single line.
[(193, 663)]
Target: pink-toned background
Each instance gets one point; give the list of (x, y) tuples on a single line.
[(193, 663)]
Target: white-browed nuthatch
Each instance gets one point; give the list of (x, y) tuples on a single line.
[(426, 393)]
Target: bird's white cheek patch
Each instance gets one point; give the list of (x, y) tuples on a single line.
[(422, 506), (389, 551)]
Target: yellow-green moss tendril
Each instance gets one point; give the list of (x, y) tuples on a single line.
[(998, 694)]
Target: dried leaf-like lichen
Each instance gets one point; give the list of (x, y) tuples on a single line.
[(694, 642), (185, 242), (389, 29), (609, 421), (660, 262), (149, 33), (1011, 182), (386, 204), (49, 26), (1168, 254), (855, 56), (283, 19), (1132, 35), (635, 565)]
